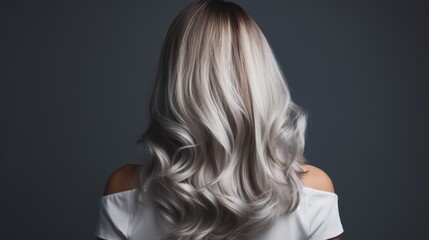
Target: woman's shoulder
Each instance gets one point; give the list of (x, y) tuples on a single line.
[(316, 178), (123, 179), (320, 205), (126, 178), (115, 206)]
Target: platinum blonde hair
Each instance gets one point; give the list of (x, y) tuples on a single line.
[(226, 137)]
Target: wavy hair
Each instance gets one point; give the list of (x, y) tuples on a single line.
[(227, 140)]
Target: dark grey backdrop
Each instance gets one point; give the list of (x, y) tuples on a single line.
[(76, 80)]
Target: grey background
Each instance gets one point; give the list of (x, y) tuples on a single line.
[(76, 78)]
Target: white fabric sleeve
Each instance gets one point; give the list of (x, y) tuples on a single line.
[(323, 215), (113, 217)]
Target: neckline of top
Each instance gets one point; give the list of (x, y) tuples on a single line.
[(320, 191), (303, 187)]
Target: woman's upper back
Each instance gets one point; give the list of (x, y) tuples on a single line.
[(121, 217)]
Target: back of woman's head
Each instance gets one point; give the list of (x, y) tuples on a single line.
[(226, 137)]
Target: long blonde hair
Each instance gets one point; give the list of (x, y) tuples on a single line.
[(226, 138)]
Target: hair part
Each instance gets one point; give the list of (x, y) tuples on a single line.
[(227, 139)]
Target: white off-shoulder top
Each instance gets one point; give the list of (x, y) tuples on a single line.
[(122, 217)]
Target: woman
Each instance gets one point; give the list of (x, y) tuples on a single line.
[(227, 143)]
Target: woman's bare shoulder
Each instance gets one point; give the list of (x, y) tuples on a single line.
[(122, 179), (316, 178), (126, 178)]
